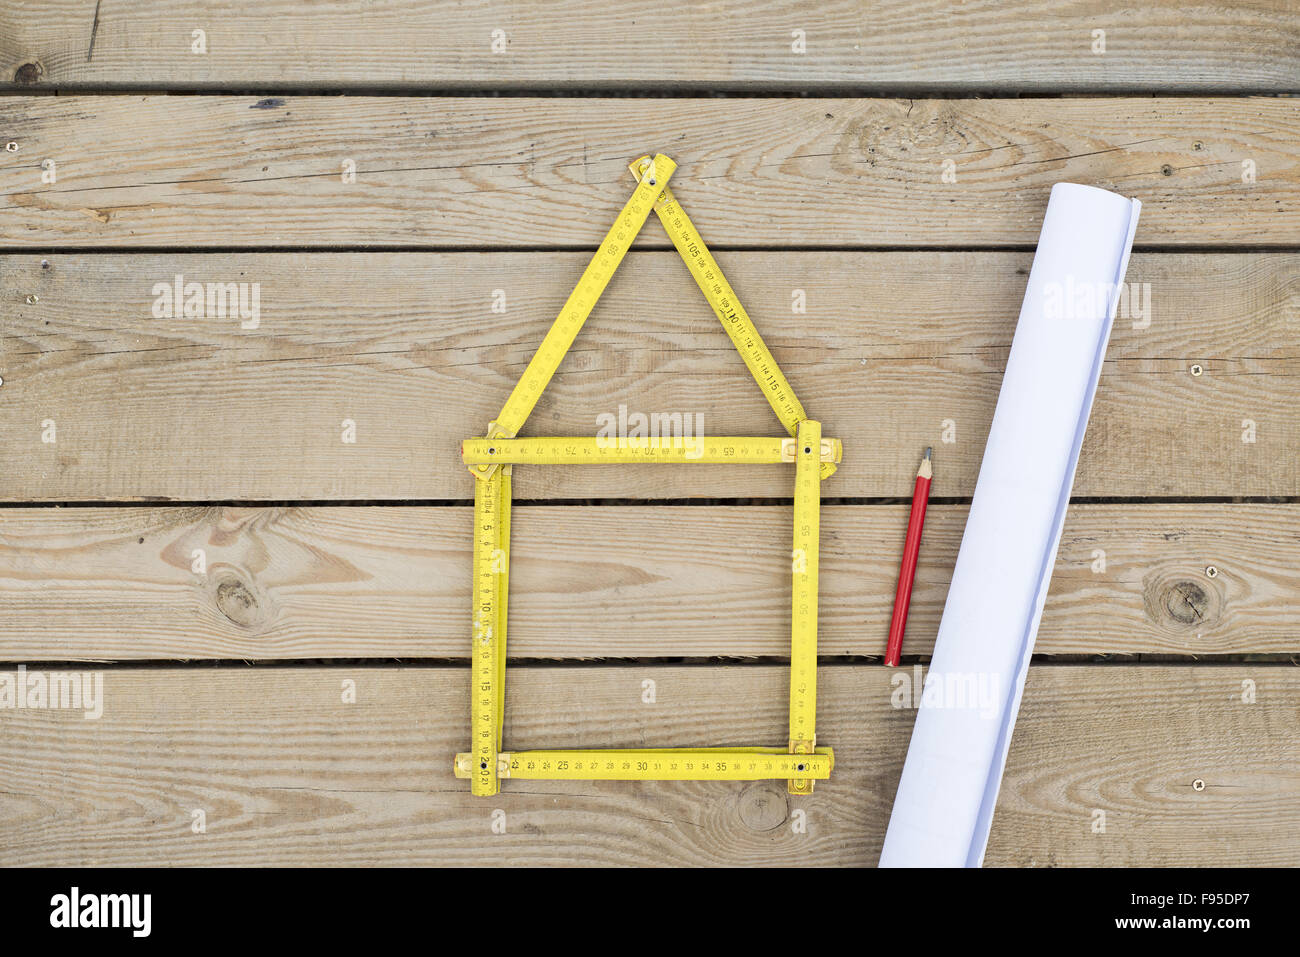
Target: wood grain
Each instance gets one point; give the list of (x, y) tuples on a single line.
[(735, 44), (287, 774), (611, 582), (892, 346), (238, 171)]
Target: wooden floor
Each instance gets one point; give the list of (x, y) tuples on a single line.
[(181, 513)]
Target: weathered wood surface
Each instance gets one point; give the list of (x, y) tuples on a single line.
[(893, 350), (611, 582), (217, 171), (737, 44), (896, 350), (285, 773)]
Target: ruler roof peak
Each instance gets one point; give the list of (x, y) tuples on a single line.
[(652, 175)]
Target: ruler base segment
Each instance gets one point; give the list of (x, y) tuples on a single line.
[(660, 764)]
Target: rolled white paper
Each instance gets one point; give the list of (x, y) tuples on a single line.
[(944, 806)]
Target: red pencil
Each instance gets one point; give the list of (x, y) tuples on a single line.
[(906, 574)]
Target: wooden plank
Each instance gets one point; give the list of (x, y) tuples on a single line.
[(285, 773), (612, 582), (220, 171), (895, 351), (736, 44)]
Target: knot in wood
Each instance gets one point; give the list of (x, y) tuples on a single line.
[(1176, 599), (763, 806), (238, 601), (28, 74)]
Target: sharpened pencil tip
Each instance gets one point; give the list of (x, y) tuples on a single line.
[(927, 453)]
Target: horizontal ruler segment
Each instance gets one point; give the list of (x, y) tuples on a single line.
[(659, 764), (711, 450)]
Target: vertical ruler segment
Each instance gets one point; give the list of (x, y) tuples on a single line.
[(502, 563), (803, 614), (487, 654)]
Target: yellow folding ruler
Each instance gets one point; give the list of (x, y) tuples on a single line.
[(492, 458)]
